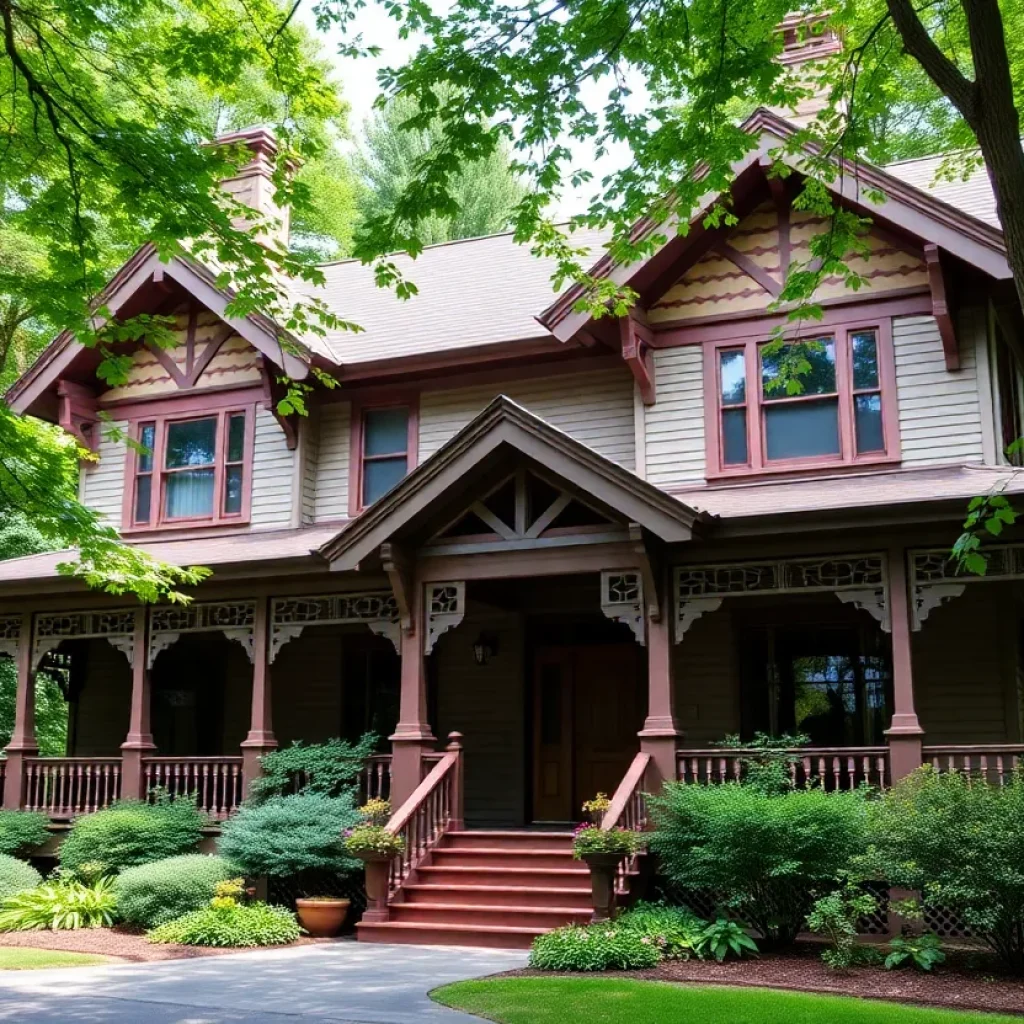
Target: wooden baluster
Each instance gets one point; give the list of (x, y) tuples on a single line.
[(983, 768), (837, 776), (999, 769), (84, 794)]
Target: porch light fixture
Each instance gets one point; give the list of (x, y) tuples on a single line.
[(485, 647)]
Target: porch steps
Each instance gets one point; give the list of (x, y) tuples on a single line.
[(495, 889)]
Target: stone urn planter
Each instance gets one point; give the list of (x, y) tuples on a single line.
[(602, 883), (378, 871), (322, 916)]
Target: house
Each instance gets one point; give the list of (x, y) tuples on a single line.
[(593, 548)]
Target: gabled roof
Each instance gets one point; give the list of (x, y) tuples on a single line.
[(144, 268), (911, 209), (504, 424)]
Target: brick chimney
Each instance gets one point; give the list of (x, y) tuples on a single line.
[(807, 40), (253, 184)]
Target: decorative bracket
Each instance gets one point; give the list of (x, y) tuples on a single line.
[(622, 600), (690, 610), (636, 339), (398, 566), (941, 306), (872, 600), (10, 634), (445, 606), (929, 596), (77, 412)]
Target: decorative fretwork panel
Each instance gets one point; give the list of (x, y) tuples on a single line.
[(10, 633), (116, 626), (445, 605), (622, 600), (855, 579), (377, 609), (235, 619)]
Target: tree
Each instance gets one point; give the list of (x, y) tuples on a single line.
[(103, 150), (484, 192)]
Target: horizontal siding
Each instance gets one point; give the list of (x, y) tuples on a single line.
[(331, 492), (309, 440), (707, 679), (103, 482), (675, 424), (272, 469), (595, 407), (939, 410)]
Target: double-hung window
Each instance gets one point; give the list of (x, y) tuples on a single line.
[(191, 470), (385, 447), (840, 410)]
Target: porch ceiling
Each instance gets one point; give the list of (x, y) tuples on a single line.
[(502, 437)]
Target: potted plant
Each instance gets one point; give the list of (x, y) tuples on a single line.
[(602, 850), (322, 916), (377, 848), (595, 809)]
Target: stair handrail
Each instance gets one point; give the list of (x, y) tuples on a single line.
[(628, 809), (435, 807)]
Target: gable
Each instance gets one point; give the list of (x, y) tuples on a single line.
[(744, 272)]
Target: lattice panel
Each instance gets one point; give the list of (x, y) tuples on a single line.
[(1005, 561), (622, 600), (445, 605), (235, 619), (876, 923), (116, 626), (10, 633), (946, 923), (377, 609)]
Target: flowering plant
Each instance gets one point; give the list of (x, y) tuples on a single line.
[(226, 894), (374, 839), (376, 811), (589, 839), (596, 808)]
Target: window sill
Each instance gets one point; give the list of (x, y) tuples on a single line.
[(179, 526), (802, 471)]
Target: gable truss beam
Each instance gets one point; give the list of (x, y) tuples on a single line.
[(750, 268), (941, 306), (636, 339)]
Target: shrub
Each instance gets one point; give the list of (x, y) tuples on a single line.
[(326, 769), (922, 951), (16, 876), (291, 836), (960, 843), (589, 839), (724, 938), (761, 852), (597, 947), (60, 906), (675, 931), (21, 832), (131, 832), (240, 924), (155, 893), (835, 916)]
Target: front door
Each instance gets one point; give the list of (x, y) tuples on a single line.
[(588, 708)]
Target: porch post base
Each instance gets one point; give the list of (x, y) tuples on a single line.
[(661, 744), (15, 780), (133, 776), (905, 742), (407, 764)]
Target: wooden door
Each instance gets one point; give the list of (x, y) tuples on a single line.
[(552, 735)]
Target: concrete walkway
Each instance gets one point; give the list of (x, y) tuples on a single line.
[(347, 982)]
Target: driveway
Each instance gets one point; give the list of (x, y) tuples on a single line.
[(348, 982)]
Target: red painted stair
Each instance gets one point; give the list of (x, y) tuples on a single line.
[(498, 889)]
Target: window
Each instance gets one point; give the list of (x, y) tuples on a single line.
[(386, 442), (191, 470), (838, 415)]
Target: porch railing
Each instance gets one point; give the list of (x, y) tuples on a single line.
[(830, 767), (432, 810), (629, 810), (215, 783), (63, 787), (989, 762), (375, 781)]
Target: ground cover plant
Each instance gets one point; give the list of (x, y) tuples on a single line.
[(16, 876), (597, 947), (676, 931), (624, 1001), (155, 893), (131, 832), (22, 832), (60, 905)]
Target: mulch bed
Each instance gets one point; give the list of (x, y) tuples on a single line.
[(968, 980), (126, 943)]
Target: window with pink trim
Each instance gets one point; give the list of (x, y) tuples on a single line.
[(192, 470), (384, 440), (842, 413)]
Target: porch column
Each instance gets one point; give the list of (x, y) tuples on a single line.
[(260, 739), (23, 739), (661, 734), (412, 737), (905, 732), (139, 741)]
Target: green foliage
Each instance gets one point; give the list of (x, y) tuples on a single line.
[(596, 947), (325, 769), (367, 838), (59, 906), (960, 842), (237, 925), (589, 839), (676, 931), (921, 951), (291, 836), (16, 876), (767, 759), (722, 939), (760, 852), (21, 832), (130, 832), (835, 916), (153, 894)]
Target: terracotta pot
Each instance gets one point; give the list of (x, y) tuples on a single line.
[(322, 918)]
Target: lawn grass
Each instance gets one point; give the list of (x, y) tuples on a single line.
[(20, 958), (621, 1001)]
